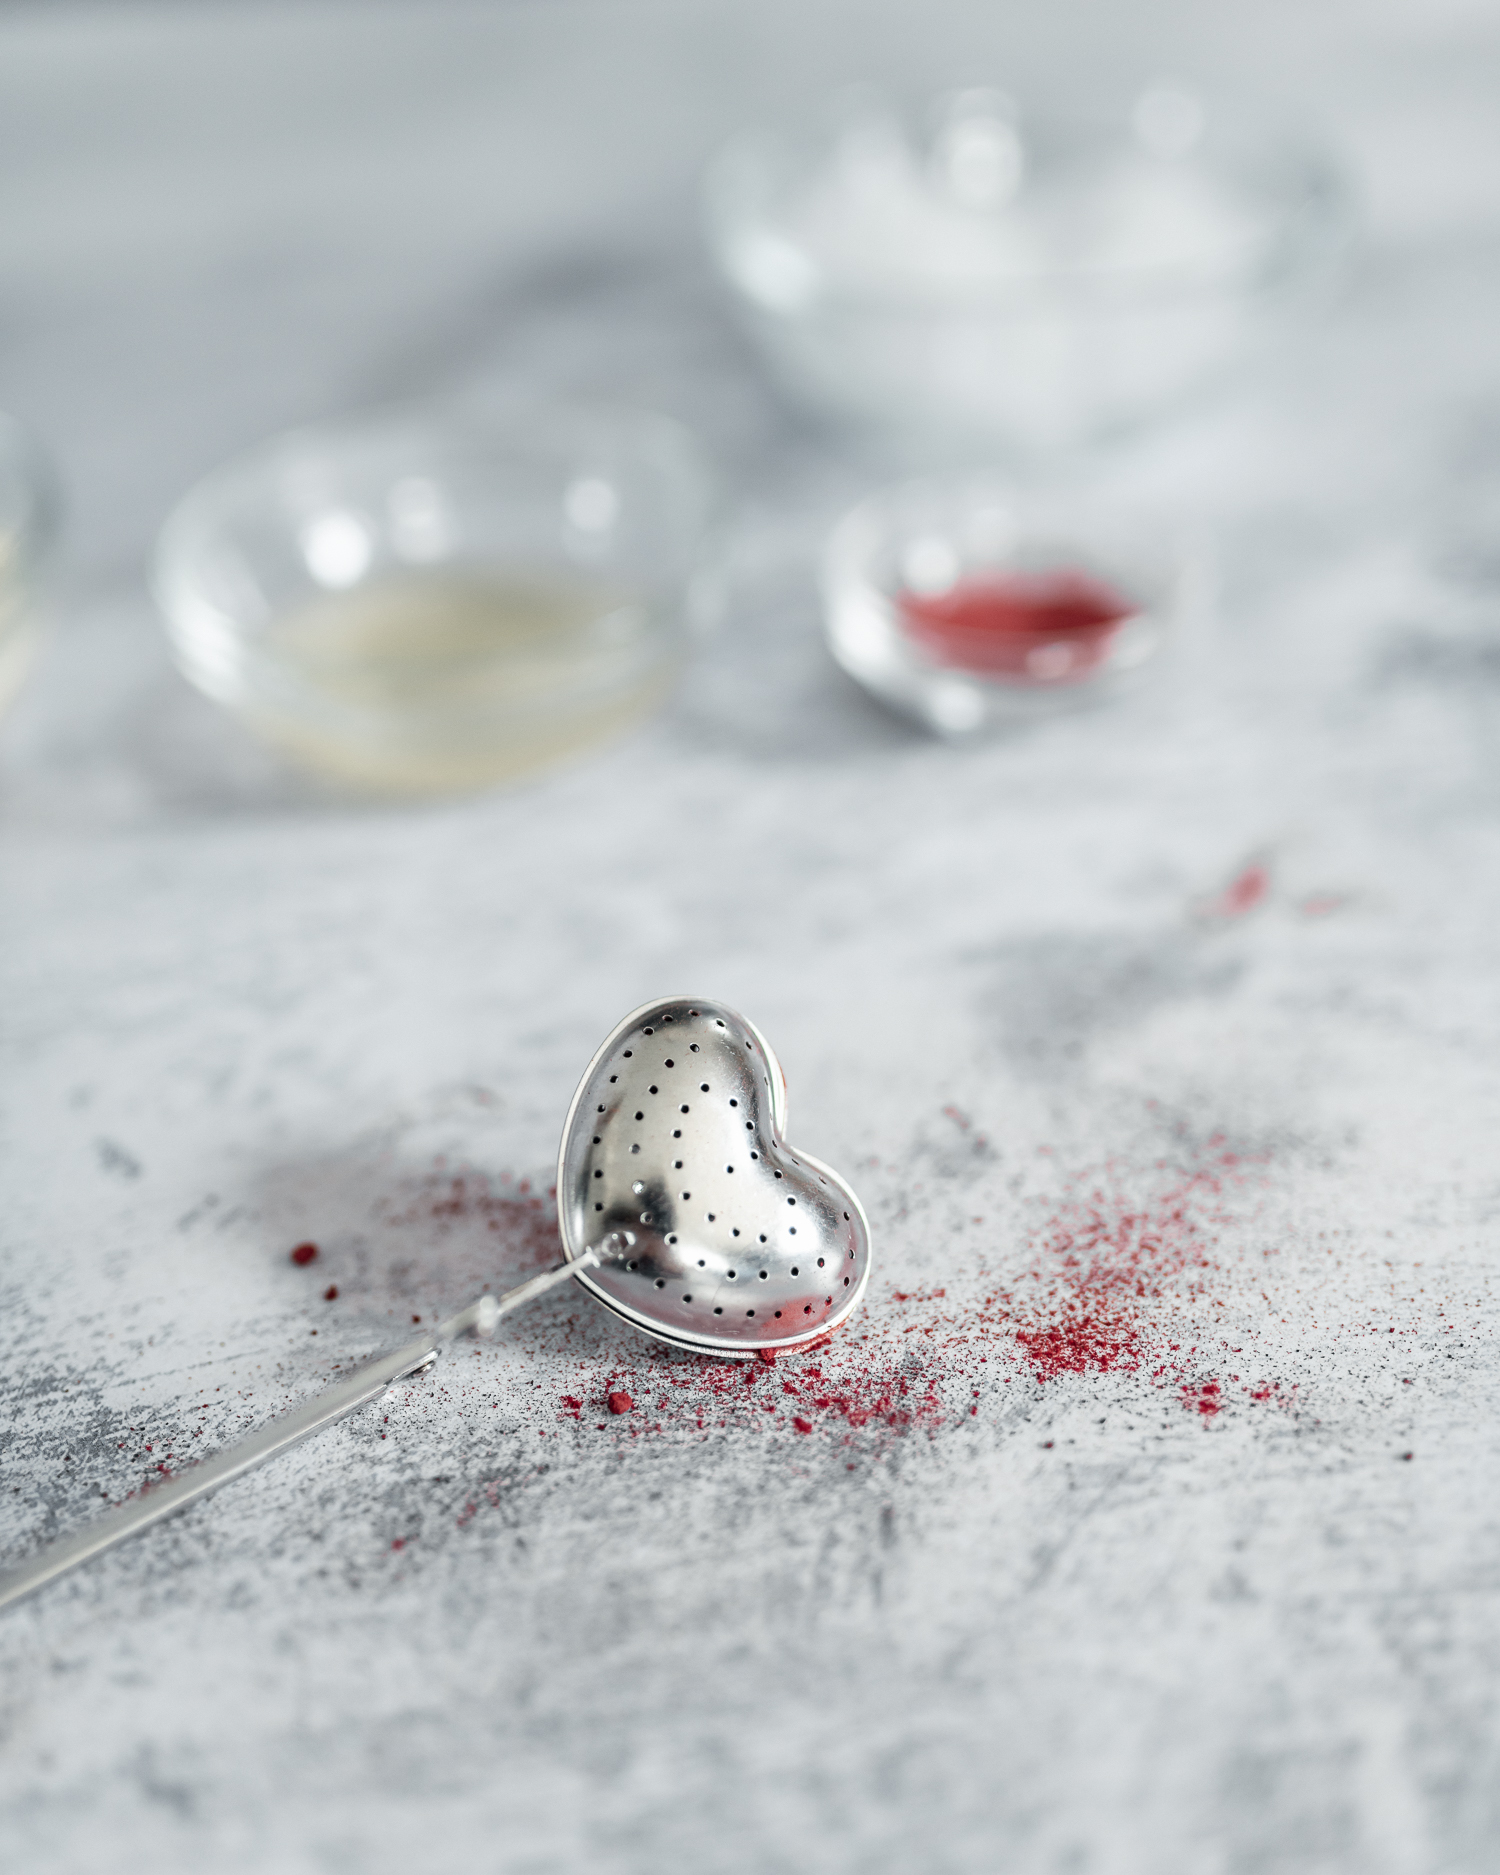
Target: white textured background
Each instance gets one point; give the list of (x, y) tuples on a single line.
[(1075, 1625)]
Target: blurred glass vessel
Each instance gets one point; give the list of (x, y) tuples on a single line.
[(959, 604), (28, 518), (958, 266), (424, 601)]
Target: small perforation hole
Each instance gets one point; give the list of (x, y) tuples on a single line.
[(677, 1132), (731, 1275), (750, 1315), (601, 1108), (596, 1139), (846, 1282), (763, 1236), (791, 1230), (764, 1274), (820, 1262), (628, 1053), (613, 1077), (671, 1064), (693, 1046), (703, 1087), (794, 1269), (646, 1031), (640, 1116), (682, 1109), (598, 1175), (734, 1103), (778, 1315), (718, 1311), (661, 1282), (671, 1239), (598, 1207), (651, 1090)]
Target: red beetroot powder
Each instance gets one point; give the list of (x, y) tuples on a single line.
[(1051, 626), (304, 1254), (1111, 1262), (619, 1402), (331, 1293)]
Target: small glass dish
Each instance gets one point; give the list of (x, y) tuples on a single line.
[(965, 607), (428, 600), (28, 519), (958, 266)]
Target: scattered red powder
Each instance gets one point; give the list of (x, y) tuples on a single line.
[(304, 1254), (398, 1542), (803, 1425), (525, 1222), (1205, 1398), (1112, 1260), (619, 1402), (768, 1355), (331, 1293), (1047, 626)]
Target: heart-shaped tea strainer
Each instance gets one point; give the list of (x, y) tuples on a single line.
[(682, 1209)]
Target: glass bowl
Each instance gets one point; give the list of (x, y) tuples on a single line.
[(427, 600), (956, 265), (28, 517), (963, 606)]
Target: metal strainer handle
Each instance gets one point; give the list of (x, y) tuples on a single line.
[(357, 1389)]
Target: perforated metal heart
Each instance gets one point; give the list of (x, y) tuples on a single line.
[(674, 1142)]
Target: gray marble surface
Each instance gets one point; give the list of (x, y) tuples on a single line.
[(1147, 1521)]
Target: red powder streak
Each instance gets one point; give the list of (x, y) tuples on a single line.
[(304, 1254), (619, 1402), (1241, 894), (1053, 626)]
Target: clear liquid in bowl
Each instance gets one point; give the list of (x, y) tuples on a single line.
[(454, 678)]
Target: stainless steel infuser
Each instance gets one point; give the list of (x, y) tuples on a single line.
[(682, 1209)]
